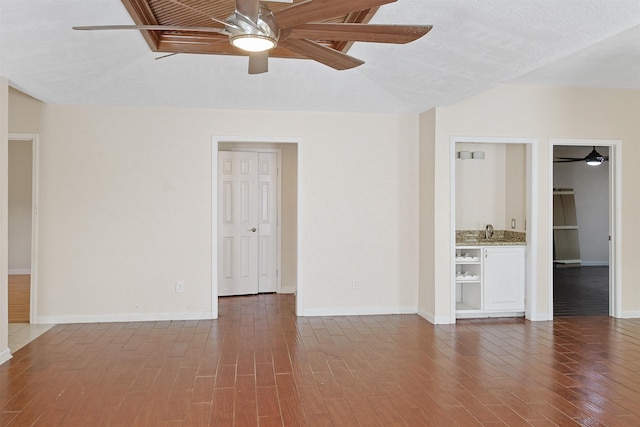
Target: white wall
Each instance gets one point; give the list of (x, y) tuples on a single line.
[(125, 209), (542, 113), (591, 186), (20, 168)]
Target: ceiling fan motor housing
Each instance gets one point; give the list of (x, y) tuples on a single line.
[(265, 28)]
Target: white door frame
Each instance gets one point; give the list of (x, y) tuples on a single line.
[(531, 263), (35, 162), (278, 152), (615, 222), (216, 140)]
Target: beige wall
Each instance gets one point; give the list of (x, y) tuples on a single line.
[(126, 199), (125, 208), (431, 241), (491, 190), (542, 113), (20, 207), (25, 113), (516, 186), (480, 188), (4, 257)]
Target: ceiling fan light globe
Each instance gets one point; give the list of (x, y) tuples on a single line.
[(594, 158), (253, 42)]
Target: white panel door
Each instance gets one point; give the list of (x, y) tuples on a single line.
[(237, 223), (268, 221)]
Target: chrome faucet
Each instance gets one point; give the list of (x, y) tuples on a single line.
[(488, 231)]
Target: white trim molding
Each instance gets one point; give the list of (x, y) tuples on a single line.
[(5, 355), (630, 315), (19, 271), (436, 320), (123, 317), (356, 311)]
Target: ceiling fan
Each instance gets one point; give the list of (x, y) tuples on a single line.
[(300, 28), (592, 159)]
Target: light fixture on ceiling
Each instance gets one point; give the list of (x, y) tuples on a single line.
[(594, 158), (253, 42), (253, 34)]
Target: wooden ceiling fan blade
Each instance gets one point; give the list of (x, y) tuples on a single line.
[(259, 62), (321, 10), (198, 11), (322, 54), (152, 28), (399, 34), (248, 8)]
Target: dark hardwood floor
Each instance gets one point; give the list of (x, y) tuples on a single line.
[(580, 291), (260, 365)]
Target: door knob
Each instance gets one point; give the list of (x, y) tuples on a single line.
[(252, 229)]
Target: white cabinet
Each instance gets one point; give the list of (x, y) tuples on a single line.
[(503, 279), (468, 278), (489, 280)]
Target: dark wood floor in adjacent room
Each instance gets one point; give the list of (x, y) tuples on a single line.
[(260, 365), (581, 291)]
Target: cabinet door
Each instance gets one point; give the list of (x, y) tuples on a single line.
[(503, 279)]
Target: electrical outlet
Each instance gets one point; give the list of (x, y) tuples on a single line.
[(179, 287), (355, 284)]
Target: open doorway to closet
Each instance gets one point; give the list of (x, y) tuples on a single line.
[(583, 230), (257, 211)]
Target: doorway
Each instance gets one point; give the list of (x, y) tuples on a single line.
[(22, 227), (287, 278), (525, 184), (588, 284)]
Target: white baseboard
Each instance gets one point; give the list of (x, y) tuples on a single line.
[(539, 317), (355, 311), (19, 271), (594, 263), (125, 317), (631, 314), (287, 290), (436, 320), (5, 355)]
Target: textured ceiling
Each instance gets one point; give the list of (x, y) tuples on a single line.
[(473, 46)]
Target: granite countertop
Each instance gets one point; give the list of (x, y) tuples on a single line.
[(500, 238)]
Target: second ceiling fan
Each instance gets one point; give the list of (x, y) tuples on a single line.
[(300, 28), (592, 159)]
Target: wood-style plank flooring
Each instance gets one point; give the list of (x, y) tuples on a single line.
[(260, 365), (581, 291), (19, 298)]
